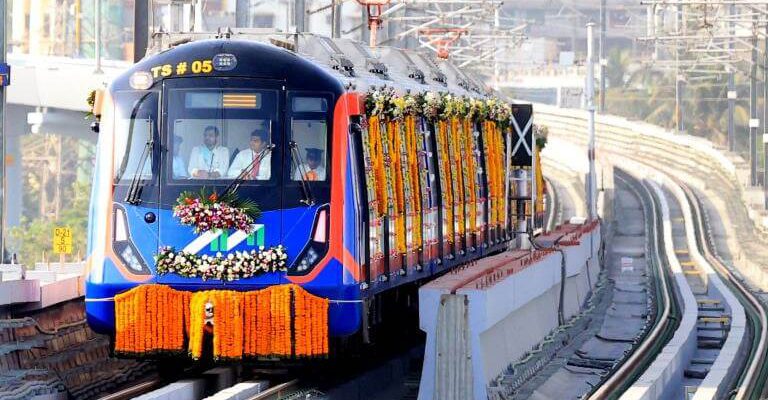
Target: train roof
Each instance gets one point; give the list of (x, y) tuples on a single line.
[(310, 58), (249, 56)]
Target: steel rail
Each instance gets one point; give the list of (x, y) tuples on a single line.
[(277, 391), (134, 391), (663, 328), (752, 380)]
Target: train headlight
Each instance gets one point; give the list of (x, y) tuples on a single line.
[(141, 80), (123, 246), (317, 247)]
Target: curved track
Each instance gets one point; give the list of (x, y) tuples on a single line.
[(728, 358)]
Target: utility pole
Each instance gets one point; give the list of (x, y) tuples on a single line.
[(603, 61), (496, 24), (300, 15), (754, 122), (336, 19), (765, 118), (241, 13), (678, 76), (591, 180), (3, 169), (732, 95), (97, 33), (140, 29)]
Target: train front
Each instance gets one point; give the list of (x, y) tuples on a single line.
[(212, 211)]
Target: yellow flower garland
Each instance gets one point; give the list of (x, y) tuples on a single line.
[(471, 175), (445, 179), (458, 178), (500, 171), (377, 158), (493, 143), (489, 173), (412, 151), (279, 321), (394, 134)]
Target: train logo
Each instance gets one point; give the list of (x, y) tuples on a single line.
[(220, 241)]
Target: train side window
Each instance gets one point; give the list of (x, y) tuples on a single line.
[(135, 119), (311, 138)]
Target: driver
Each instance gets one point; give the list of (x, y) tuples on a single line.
[(209, 161), (261, 169)]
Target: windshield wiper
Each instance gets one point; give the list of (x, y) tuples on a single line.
[(134, 190), (305, 187), (232, 188)]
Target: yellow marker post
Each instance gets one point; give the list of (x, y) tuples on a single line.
[(62, 243)]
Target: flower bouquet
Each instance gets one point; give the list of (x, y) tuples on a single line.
[(206, 211)]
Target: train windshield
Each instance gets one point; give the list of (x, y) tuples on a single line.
[(221, 133), (135, 124)]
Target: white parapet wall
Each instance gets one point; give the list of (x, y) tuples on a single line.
[(482, 318), (674, 152)]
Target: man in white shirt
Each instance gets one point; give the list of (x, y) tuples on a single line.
[(312, 169), (262, 169), (209, 161)]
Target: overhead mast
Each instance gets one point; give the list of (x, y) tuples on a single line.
[(374, 11)]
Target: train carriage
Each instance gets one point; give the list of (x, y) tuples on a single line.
[(353, 202)]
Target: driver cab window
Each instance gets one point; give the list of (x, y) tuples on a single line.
[(310, 133), (221, 134)]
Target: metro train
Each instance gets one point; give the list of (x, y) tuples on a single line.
[(357, 204)]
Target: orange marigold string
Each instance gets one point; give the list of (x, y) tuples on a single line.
[(445, 179), (412, 151), (152, 318), (149, 319), (471, 173), (395, 134), (457, 173), (377, 158)]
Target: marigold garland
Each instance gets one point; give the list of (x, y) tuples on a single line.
[(489, 145), (458, 160), (445, 179), (279, 321), (373, 164), (149, 319), (412, 152), (394, 134), (377, 159), (500, 178), (471, 174), (457, 173)]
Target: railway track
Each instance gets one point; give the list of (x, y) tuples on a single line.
[(725, 358), (667, 311)]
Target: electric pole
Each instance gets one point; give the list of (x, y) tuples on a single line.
[(603, 61), (3, 84), (591, 180), (754, 122)]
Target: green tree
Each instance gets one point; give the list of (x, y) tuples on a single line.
[(35, 236)]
